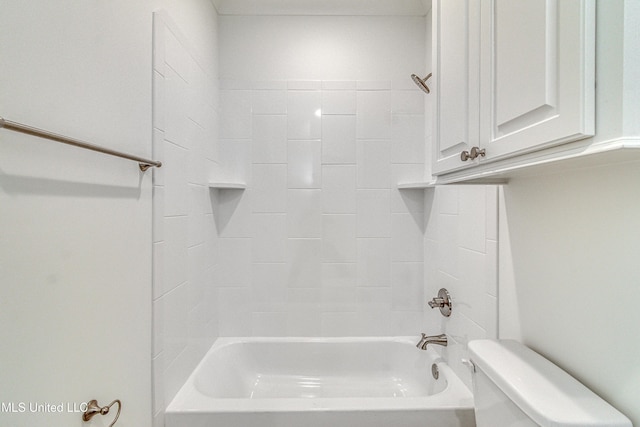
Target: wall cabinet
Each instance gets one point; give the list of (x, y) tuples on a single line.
[(510, 78)]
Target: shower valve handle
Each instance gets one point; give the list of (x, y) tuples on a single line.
[(443, 302)]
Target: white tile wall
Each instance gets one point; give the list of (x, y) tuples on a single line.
[(334, 248), (460, 246), (186, 250)]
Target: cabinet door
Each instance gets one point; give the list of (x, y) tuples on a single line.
[(538, 74), (456, 47)]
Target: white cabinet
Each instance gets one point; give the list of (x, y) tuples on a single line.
[(456, 89), (511, 77)]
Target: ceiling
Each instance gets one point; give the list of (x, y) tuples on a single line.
[(323, 7)]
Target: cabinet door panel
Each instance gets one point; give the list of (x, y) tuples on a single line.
[(456, 74), (540, 75)]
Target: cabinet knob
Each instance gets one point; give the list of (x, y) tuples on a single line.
[(464, 156), (476, 151)]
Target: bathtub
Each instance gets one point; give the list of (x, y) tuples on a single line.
[(319, 382)]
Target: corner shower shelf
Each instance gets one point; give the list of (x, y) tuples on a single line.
[(228, 185)]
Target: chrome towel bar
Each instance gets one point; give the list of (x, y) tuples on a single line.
[(144, 164)]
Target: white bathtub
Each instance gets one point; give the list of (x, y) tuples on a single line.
[(319, 382)]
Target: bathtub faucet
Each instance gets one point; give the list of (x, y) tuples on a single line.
[(435, 339)]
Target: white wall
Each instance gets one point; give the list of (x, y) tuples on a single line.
[(75, 250), (76, 239), (574, 288), (262, 48), (568, 242), (321, 243)]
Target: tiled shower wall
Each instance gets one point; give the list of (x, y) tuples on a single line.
[(185, 121), (321, 243), (461, 245)]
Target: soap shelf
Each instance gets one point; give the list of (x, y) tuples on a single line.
[(228, 185)]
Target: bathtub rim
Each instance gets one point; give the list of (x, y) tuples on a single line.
[(189, 400)]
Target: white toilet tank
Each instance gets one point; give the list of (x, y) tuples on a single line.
[(515, 386)]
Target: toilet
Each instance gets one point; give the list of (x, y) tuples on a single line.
[(515, 386)]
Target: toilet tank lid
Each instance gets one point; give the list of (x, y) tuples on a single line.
[(543, 391)]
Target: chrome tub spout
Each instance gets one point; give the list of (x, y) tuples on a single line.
[(435, 339)]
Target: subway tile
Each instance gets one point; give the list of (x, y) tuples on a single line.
[(234, 267), (374, 165), (339, 299), (269, 285), (304, 118), (304, 213), (176, 56), (374, 262), (269, 85), (237, 159), (269, 190), (339, 139), (492, 212), (234, 308), (491, 268), (373, 118), (448, 199), (408, 142), (175, 252), (303, 299), (269, 238), (405, 323), (406, 238), (339, 189), (339, 324), (338, 102), (304, 266), (269, 324), (373, 85), (236, 114), (196, 216), (269, 102), (472, 289), (447, 237), (339, 85), (304, 164), (304, 85), (373, 298), (472, 218), (408, 102), (373, 213), (175, 322), (407, 286), (234, 84), (269, 139), (339, 274), (304, 324), (339, 238), (373, 323), (176, 184), (197, 278)]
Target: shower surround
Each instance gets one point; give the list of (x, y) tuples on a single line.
[(321, 243)]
